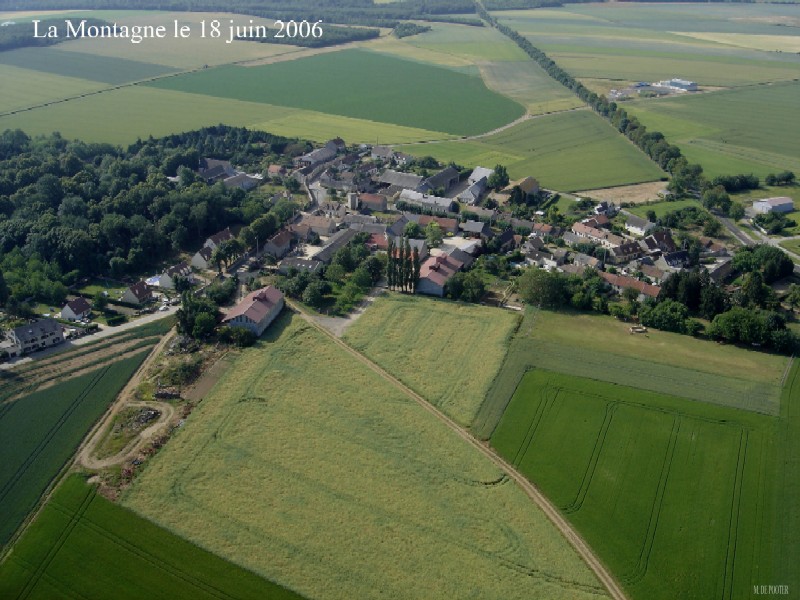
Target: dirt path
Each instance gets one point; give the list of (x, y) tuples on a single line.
[(552, 513), (338, 325), (90, 461), (84, 454)]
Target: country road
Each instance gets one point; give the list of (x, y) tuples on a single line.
[(552, 513)]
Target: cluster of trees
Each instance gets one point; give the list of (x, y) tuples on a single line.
[(332, 35), (197, 317), (69, 209), (352, 272), (222, 291), (745, 316), (20, 34), (782, 178), (773, 222), (467, 286), (737, 183), (403, 267), (409, 29)]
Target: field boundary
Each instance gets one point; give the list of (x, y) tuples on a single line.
[(533, 492)]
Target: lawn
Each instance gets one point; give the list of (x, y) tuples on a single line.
[(447, 352), (662, 208), (639, 474), (600, 347), (400, 92), (39, 432), (307, 468), (82, 545), (570, 151)]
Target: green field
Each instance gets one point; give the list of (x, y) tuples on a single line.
[(93, 67), (600, 347), (306, 467), (40, 431), (568, 151), (675, 496), (662, 208), (718, 130), (400, 92), (447, 352), (32, 88), (83, 546), (650, 42), (527, 83)]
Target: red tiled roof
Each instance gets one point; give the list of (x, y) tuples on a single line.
[(282, 238), (623, 281), (439, 269), (379, 240), (256, 305)]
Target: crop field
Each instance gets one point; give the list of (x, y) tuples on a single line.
[(652, 42), (31, 88), (640, 474), (527, 83), (714, 129), (662, 208), (308, 468), (82, 545), (187, 53), (400, 92), (600, 347), (568, 151), (447, 352), (35, 449), (82, 65)]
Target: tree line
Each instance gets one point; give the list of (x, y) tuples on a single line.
[(21, 35)]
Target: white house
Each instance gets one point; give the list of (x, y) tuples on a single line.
[(33, 336), (782, 204), (215, 240), (137, 294), (166, 280), (202, 258), (637, 225), (257, 310), (76, 309)]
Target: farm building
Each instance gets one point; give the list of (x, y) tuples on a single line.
[(278, 245), (375, 202), (33, 336), (435, 273), (76, 309), (781, 204), (444, 179), (339, 240), (319, 225), (257, 310), (432, 203), (620, 282), (637, 225)]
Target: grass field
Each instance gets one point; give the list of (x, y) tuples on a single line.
[(662, 208), (40, 431), (31, 88), (569, 151), (400, 92), (306, 467), (81, 545), (600, 347), (640, 474), (651, 42), (719, 131), (447, 352)]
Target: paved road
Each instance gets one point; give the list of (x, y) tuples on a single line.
[(735, 231), (104, 332)]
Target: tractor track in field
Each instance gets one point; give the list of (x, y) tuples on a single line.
[(550, 511)]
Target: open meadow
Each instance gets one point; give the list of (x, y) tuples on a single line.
[(445, 351), (82, 545), (308, 468), (600, 347), (567, 151), (662, 208), (640, 474)]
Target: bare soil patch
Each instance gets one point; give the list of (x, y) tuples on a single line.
[(635, 194)]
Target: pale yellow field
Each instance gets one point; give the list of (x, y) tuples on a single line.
[(184, 53), (770, 43), (308, 468), (397, 47), (447, 352)]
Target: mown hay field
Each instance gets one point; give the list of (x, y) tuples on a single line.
[(641, 474), (600, 347), (447, 352), (306, 467), (40, 431), (568, 151), (82, 545), (400, 92)]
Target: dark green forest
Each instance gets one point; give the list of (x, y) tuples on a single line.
[(69, 209)]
